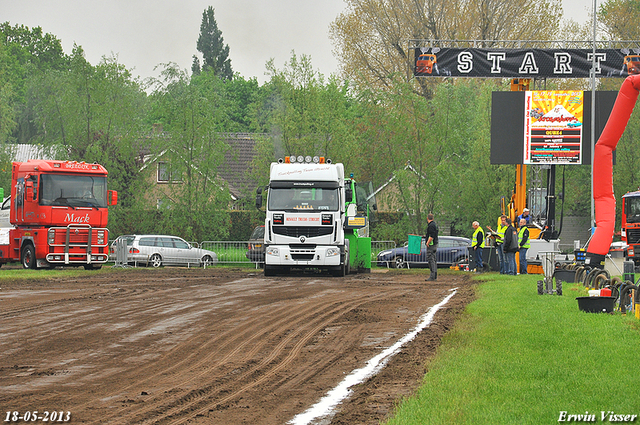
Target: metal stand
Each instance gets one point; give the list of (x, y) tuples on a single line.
[(548, 259)]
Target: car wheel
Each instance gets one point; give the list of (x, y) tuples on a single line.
[(207, 261), (398, 262), (28, 257), (155, 260)]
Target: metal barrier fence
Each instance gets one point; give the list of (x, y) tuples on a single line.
[(227, 252), (379, 246)]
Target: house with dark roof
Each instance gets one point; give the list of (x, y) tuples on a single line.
[(234, 172)]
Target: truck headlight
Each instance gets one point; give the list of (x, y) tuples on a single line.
[(332, 252), (272, 250)]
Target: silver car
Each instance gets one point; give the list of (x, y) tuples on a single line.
[(159, 250)]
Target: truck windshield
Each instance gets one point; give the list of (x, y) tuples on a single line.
[(303, 199), (73, 190), (632, 209)]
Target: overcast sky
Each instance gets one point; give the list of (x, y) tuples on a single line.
[(145, 33)]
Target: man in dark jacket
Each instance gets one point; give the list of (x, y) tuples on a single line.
[(511, 246), (432, 246)]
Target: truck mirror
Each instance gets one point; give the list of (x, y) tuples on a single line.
[(112, 197), (29, 193), (259, 200), (348, 194)]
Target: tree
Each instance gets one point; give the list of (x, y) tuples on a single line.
[(211, 44), (27, 53), (618, 19), (372, 36), (193, 112)]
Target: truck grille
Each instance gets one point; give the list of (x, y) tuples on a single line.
[(633, 236), (297, 231)]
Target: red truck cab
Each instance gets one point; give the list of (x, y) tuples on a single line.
[(59, 214), (630, 225)]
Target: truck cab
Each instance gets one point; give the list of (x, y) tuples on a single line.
[(309, 223), (58, 214)]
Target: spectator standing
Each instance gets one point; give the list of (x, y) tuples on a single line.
[(525, 243), (525, 215), (477, 243), (511, 246), (502, 226), (432, 246)]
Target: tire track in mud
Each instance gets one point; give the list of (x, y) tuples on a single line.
[(198, 401), (201, 348)]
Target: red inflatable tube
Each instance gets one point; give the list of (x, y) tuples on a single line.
[(604, 200)]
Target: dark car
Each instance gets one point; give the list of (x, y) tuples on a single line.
[(451, 250), (255, 246)]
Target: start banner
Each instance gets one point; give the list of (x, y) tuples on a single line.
[(523, 63)]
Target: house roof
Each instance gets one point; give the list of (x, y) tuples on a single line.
[(25, 152), (408, 166), (237, 161)]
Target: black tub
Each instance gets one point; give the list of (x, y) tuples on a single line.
[(596, 304)]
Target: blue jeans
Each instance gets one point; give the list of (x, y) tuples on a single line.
[(523, 260), (511, 263), (501, 259)]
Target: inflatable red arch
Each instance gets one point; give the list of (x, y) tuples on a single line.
[(604, 200)]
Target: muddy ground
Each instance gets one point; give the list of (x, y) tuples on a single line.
[(215, 346)]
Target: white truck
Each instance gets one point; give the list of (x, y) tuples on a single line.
[(312, 218)]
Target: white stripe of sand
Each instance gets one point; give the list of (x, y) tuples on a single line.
[(334, 397)]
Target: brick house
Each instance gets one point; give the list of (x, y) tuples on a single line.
[(234, 172)]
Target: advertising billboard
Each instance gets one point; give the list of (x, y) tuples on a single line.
[(553, 127)]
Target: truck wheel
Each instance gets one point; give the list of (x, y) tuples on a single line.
[(28, 257), (269, 271), (155, 260), (338, 271)]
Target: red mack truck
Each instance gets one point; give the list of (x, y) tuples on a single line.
[(58, 212)]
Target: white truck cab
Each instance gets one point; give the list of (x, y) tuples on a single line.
[(305, 215)]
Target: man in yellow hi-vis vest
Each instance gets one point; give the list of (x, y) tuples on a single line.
[(499, 235), (525, 244), (477, 243)]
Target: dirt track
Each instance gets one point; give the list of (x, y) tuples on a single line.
[(214, 346)]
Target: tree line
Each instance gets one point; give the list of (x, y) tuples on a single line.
[(374, 117)]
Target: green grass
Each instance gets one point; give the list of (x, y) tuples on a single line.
[(515, 357)]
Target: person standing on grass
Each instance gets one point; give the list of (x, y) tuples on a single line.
[(499, 235), (432, 246), (477, 243), (525, 243), (511, 246)]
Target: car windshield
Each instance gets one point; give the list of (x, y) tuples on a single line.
[(74, 191), (303, 199), (258, 233)]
